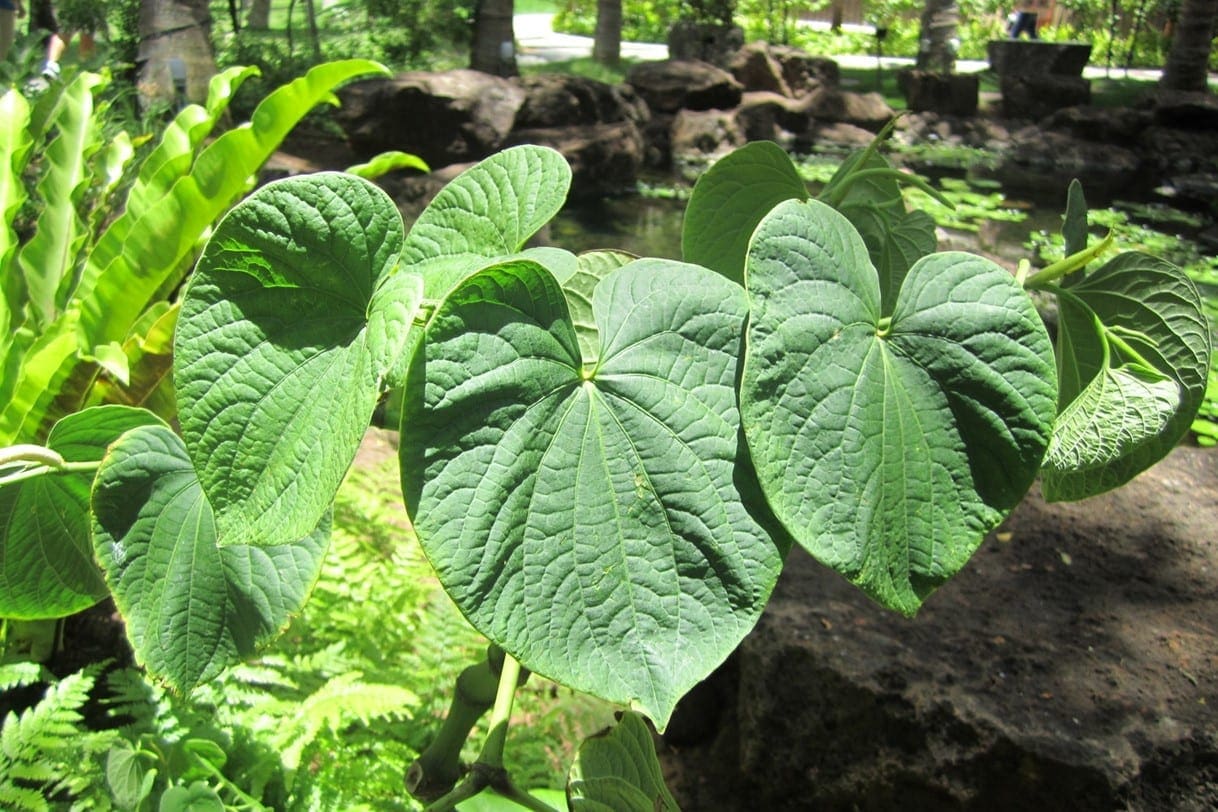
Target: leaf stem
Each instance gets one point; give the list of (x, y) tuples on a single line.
[(1109, 336), (29, 453), (1075, 262), (505, 696), (32, 471)]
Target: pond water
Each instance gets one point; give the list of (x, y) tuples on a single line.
[(651, 227)]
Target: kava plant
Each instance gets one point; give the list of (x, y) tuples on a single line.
[(606, 458)]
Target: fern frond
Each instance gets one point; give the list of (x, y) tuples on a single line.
[(48, 747), (21, 799), (342, 700), (51, 724), (19, 675)]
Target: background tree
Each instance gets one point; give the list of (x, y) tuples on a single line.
[(175, 47), (938, 43), (1188, 60), (607, 43), (494, 48), (259, 17)]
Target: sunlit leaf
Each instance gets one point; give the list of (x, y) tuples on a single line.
[(590, 523), (192, 607), (889, 447)]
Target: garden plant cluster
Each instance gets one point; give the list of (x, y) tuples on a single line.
[(605, 457)]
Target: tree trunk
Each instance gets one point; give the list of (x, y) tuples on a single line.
[(175, 57), (494, 48), (937, 48), (314, 34), (607, 45), (1188, 60), (259, 18)]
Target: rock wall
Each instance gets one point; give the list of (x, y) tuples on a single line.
[(1073, 665)]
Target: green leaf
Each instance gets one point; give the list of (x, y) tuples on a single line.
[(873, 204), (1074, 229), (166, 235), (51, 254), (388, 162), (126, 778), (889, 447), (488, 801), (617, 771), (591, 268), (595, 509), (1099, 435), (487, 211), (15, 143), (46, 556), (198, 797), (729, 201), (1152, 307), (192, 607), (291, 324), (200, 759), (168, 162)]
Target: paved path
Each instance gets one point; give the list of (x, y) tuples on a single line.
[(538, 43)]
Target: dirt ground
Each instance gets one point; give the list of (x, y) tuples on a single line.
[(1073, 665)]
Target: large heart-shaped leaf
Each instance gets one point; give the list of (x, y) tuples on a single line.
[(46, 557), (487, 211), (730, 198), (889, 447), (617, 771), (192, 607), (291, 326), (585, 518), (1153, 309)]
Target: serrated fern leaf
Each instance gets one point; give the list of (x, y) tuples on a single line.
[(19, 675), (47, 745), (21, 799), (342, 700)]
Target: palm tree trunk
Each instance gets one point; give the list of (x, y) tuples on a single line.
[(494, 48), (1188, 60), (937, 46), (607, 44), (175, 56)]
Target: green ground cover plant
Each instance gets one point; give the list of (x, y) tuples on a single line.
[(605, 458)]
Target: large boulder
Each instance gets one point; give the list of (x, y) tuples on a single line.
[(1070, 666), (1034, 95), (605, 158), (596, 126), (444, 118), (1039, 77), (765, 116), (866, 110), (1122, 126), (756, 70), (803, 72), (561, 100), (1036, 160), (700, 135), (684, 84)]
